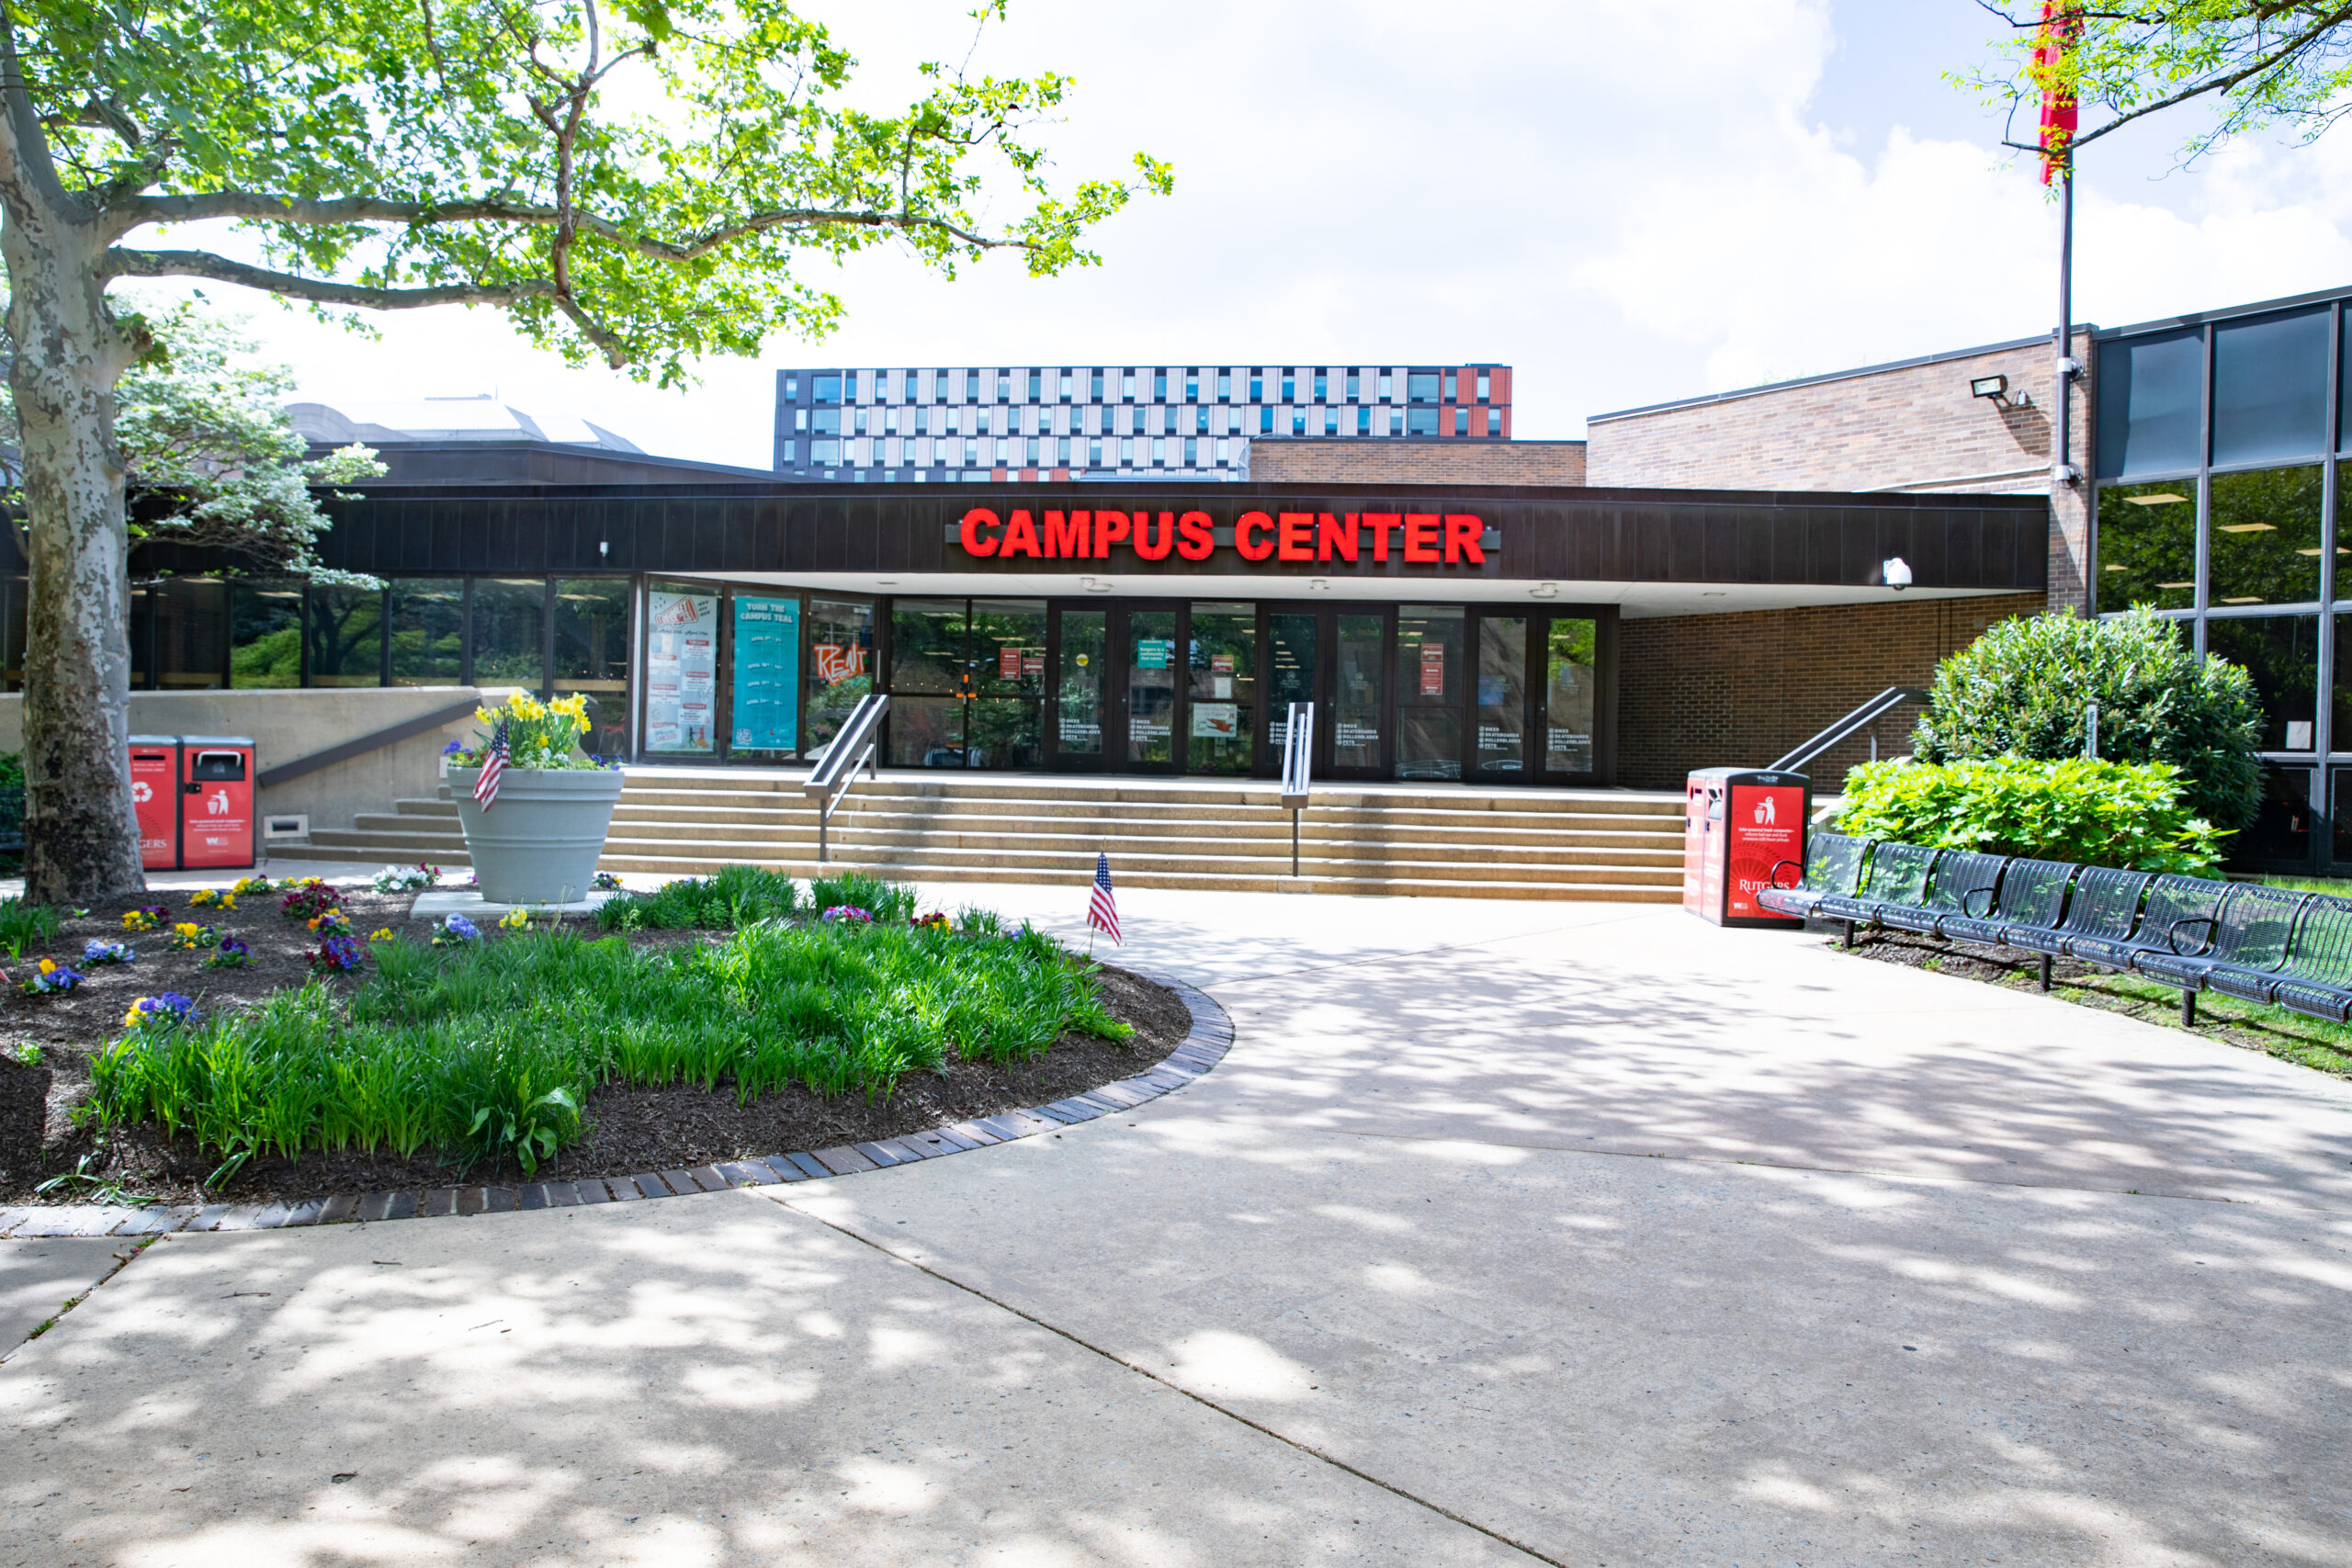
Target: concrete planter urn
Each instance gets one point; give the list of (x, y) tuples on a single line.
[(540, 841)]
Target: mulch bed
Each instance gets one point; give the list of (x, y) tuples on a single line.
[(628, 1129)]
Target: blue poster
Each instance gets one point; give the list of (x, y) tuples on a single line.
[(768, 674)]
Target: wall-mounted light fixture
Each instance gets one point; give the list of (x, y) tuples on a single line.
[(1996, 388), (1544, 591), (604, 548), (1895, 572)]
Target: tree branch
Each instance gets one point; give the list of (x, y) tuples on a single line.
[(23, 142), (122, 263), (2223, 83)]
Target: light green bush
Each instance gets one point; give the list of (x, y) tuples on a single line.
[(2022, 690), (2099, 813)]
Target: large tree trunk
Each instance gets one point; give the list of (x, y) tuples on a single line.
[(80, 835)]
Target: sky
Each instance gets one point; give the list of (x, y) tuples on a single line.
[(1627, 200)]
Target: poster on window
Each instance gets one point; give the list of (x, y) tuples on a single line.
[(1216, 721), (767, 674), (1432, 669), (681, 670)]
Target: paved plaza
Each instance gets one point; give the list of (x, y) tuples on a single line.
[(1507, 1232)]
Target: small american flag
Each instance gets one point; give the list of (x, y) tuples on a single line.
[(1102, 910), (493, 764)]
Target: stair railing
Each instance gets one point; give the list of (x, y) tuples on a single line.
[(1862, 718), (852, 748), (1299, 769)]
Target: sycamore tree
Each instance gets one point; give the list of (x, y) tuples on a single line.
[(629, 181), (2253, 64)]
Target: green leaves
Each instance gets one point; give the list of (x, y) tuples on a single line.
[(2024, 689), (2098, 813)]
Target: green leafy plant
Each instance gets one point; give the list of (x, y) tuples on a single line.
[(2099, 813), (891, 901), (89, 1177), (735, 897), (2024, 689), (24, 925)]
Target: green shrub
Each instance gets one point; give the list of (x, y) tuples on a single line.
[(2099, 813), (2023, 688), (488, 1050), (882, 900), (735, 897)]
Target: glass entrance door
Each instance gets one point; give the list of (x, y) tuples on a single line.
[(1568, 708), (1431, 683), (1082, 683), (1149, 649), (1292, 638), (1359, 723), (1498, 719), (1222, 687)]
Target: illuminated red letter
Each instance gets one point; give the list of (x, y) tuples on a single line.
[(1462, 540), (1330, 537), (1194, 539), (1148, 547), (1066, 540), (1380, 522), (1019, 536), (979, 517), (1251, 520), (1297, 536), (1110, 527), (1421, 537)]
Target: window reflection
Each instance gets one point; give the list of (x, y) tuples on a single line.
[(2266, 542), (2147, 545), (2281, 652), (2271, 388)]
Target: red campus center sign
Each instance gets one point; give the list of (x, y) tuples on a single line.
[(1419, 538)]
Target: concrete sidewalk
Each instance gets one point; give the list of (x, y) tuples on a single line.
[(1507, 1232)]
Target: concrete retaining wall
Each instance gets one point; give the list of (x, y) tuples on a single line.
[(287, 724)]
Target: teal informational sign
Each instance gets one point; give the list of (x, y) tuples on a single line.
[(768, 674)]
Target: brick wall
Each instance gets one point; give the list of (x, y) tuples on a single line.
[(1384, 460), (1740, 689), (1913, 426)]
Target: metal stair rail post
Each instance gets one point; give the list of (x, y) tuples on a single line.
[(1869, 713), (1299, 769), (852, 748)]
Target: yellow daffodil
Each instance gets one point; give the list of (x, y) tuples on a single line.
[(385, 935)]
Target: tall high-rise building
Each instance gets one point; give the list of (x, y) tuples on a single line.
[(1088, 422)]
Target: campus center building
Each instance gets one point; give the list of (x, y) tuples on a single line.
[(1006, 424)]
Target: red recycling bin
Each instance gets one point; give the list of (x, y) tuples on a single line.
[(217, 824), (1738, 826), (154, 798)]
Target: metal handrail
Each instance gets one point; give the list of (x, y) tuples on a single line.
[(852, 748), (1299, 769), (440, 718), (1869, 713)]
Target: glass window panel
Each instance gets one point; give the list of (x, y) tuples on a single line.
[(344, 629), (2271, 388), (2147, 545), (840, 664), (2266, 538), (1077, 683), (428, 618), (1009, 649), (592, 648), (1502, 694), (264, 635), (2341, 848), (1151, 686), (191, 633), (2281, 652), (926, 732), (1290, 675), (2341, 690), (927, 646), (1429, 684), (1223, 668), (2149, 404), (1004, 732), (2282, 829), (1571, 679), (1355, 710), (509, 628)]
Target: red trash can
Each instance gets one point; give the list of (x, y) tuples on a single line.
[(1738, 825), (154, 798), (216, 823)]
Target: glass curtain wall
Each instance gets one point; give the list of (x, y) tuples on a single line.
[(591, 619), (2219, 506)]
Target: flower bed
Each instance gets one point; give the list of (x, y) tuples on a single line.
[(548, 1049)]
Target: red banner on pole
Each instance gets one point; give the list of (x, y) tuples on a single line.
[(2062, 28)]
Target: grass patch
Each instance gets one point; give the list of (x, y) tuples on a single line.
[(488, 1050), (2335, 885)]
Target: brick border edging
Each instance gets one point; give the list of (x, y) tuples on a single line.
[(1204, 1046)]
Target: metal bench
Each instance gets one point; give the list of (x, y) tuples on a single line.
[(2103, 905), (2316, 979), (1964, 882), (1833, 865), (1897, 881), (2031, 899), (2253, 931)]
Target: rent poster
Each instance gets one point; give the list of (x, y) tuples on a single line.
[(767, 674), (681, 672)]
